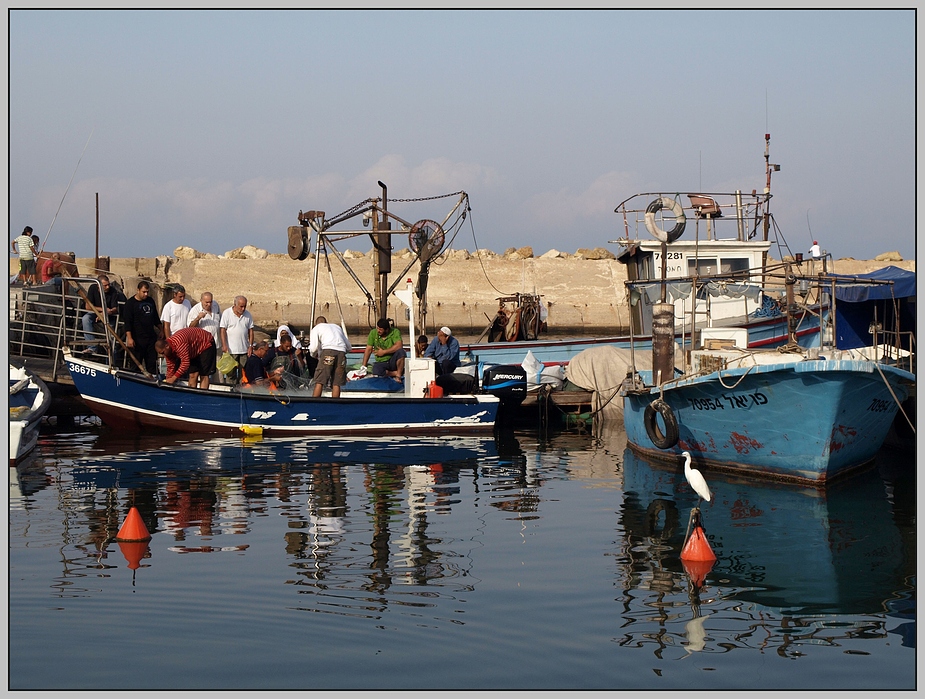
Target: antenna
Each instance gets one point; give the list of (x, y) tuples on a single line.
[(766, 125)]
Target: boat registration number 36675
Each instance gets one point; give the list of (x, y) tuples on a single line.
[(77, 369)]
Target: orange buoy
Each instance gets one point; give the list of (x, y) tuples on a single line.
[(133, 529), (697, 547), (133, 551)]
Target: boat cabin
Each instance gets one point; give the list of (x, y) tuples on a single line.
[(717, 302)]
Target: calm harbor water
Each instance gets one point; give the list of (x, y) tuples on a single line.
[(526, 560)]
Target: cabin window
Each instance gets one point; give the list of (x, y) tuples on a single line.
[(733, 264), (705, 266), (701, 266)]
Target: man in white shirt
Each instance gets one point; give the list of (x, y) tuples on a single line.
[(175, 314), (207, 315), (237, 332), (329, 343)]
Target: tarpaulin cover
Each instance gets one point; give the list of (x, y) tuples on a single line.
[(857, 305), (903, 286)]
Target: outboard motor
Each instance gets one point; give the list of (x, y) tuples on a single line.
[(508, 382)]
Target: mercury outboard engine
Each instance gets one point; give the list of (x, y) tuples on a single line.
[(508, 382)]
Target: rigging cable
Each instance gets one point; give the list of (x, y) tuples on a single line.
[(66, 190)]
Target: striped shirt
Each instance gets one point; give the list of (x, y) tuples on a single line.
[(186, 344), (26, 247)]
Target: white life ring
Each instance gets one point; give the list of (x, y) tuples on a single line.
[(676, 210)]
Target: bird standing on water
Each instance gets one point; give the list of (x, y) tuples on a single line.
[(695, 478)]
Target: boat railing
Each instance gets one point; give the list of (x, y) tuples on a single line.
[(46, 318), (718, 210)]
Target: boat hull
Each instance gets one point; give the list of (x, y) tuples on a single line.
[(805, 421), (132, 402), (29, 401)]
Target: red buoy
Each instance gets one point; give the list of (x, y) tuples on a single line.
[(133, 529), (697, 547)]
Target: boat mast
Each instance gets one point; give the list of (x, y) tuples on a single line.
[(382, 260), (769, 167)]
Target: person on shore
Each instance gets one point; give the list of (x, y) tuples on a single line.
[(175, 314), (237, 333), (108, 306), (330, 345), (28, 253), (444, 349), (189, 350), (384, 343), (142, 326), (420, 346)]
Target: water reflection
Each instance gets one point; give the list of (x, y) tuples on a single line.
[(422, 529), (788, 559)]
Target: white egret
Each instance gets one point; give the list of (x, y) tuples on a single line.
[(695, 478)]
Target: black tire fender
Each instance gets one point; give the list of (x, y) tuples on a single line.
[(662, 440)]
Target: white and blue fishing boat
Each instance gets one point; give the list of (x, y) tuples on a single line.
[(127, 400), (29, 401), (796, 418), (799, 413)]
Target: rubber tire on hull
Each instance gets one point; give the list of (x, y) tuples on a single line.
[(661, 440)]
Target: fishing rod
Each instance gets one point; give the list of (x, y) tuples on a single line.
[(66, 191)]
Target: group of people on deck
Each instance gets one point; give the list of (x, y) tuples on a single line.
[(190, 339)]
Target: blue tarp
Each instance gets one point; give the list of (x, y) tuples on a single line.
[(857, 305), (382, 384), (903, 286)]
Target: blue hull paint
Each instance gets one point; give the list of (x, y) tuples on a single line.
[(129, 401), (807, 421)]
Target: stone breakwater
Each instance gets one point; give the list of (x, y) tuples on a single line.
[(584, 292)]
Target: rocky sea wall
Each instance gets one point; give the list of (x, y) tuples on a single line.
[(583, 292)]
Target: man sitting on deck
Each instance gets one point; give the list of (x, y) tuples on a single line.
[(444, 349), (384, 343)]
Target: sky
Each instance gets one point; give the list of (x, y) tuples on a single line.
[(213, 129)]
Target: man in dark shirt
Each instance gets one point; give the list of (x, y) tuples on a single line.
[(142, 327), (110, 309)]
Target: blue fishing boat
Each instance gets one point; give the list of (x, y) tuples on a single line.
[(802, 413), (127, 400), (796, 419), (131, 401)]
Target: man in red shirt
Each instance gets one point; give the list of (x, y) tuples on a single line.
[(189, 350)]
